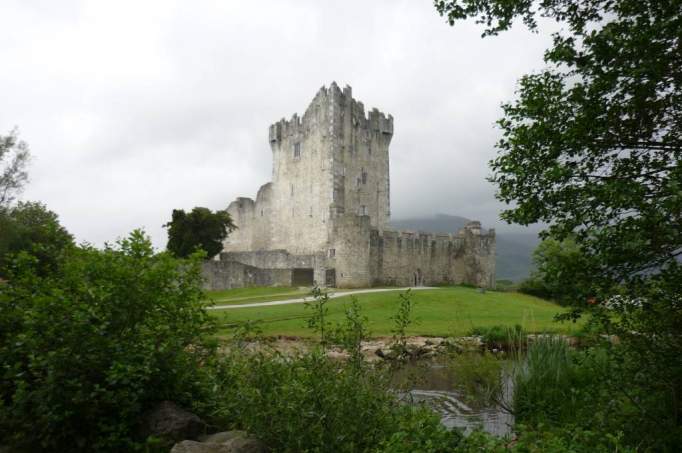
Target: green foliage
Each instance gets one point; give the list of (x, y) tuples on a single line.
[(318, 321), (312, 403), (402, 320), (14, 157), (85, 352), (555, 260), (33, 229), (545, 382), (352, 332), (200, 229), (420, 430), (565, 440), (558, 390)]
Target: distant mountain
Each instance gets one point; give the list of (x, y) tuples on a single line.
[(514, 255), (513, 249)]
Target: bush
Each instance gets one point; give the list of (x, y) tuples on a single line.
[(535, 286), (419, 429), (312, 403), (84, 354), (569, 439)]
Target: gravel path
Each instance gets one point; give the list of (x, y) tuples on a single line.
[(332, 295)]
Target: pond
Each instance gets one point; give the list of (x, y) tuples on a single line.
[(434, 384)]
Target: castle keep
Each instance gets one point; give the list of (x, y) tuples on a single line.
[(325, 215)]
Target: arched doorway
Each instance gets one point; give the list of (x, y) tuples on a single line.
[(418, 278)]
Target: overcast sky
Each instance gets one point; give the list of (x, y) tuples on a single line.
[(133, 108)]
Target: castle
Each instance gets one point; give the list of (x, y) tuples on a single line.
[(324, 218)]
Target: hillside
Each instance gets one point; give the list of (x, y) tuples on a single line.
[(513, 249)]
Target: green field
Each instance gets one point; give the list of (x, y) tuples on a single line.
[(256, 294), (438, 312)]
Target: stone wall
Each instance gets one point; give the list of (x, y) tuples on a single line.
[(220, 275), (281, 259), (421, 259)]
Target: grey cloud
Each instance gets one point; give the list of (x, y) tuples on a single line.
[(135, 108)]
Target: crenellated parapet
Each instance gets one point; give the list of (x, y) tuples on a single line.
[(329, 109)]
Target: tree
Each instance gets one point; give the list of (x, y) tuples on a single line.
[(85, 352), (200, 229), (553, 261), (14, 156), (31, 228), (592, 146)]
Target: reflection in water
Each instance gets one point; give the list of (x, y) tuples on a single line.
[(434, 385)]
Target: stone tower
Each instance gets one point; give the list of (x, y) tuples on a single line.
[(331, 161)]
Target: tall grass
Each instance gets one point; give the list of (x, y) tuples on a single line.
[(555, 384)]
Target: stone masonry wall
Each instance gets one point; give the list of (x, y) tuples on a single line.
[(416, 259), (220, 275)]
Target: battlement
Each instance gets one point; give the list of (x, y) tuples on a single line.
[(328, 110)]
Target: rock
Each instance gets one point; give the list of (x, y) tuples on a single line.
[(222, 437), (246, 445), (168, 421), (190, 446), (337, 355), (224, 442)]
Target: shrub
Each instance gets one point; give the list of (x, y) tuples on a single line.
[(84, 354), (569, 439), (419, 429), (312, 403)]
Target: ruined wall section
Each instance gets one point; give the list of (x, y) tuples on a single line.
[(417, 259), (253, 220), (242, 212)]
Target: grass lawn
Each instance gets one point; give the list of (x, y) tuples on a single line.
[(438, 312), (256, 294)]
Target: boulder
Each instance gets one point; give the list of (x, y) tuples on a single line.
[(170, 422), (246, 445), (222, 437), (190, 446), (224, 442)]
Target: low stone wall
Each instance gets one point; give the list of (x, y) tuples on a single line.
[(219, 275)]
